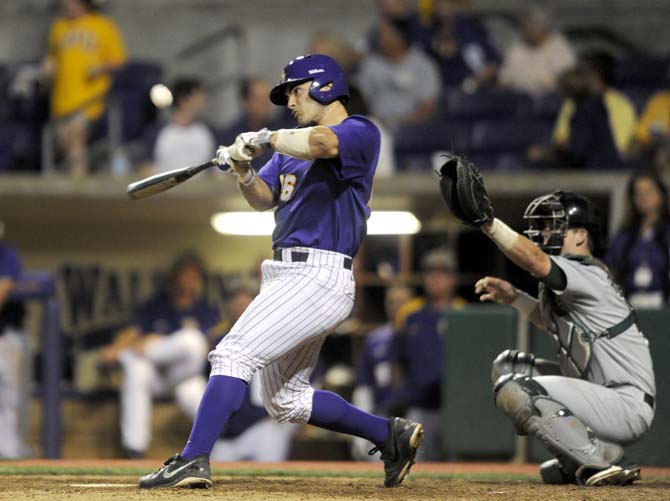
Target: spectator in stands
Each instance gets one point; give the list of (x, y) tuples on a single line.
[(14, 359), (653, 127), (163, 351), (590, 141), (331, 44), (257, 113), (599, 67), (640, 253), (186, 139), (418, 351), (85, 48), (462, 46), (418, 30), (533, 63), (400, 83), (250, 434), (374, 372)]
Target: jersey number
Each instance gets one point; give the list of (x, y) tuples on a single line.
[(288, 183)]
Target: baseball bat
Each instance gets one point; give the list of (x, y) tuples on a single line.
[(164, 181)]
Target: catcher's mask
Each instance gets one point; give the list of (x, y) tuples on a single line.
[(550, 216)]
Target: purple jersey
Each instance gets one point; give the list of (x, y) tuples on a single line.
[(374, 366), (322, 203), (418, 350), (159, 315)]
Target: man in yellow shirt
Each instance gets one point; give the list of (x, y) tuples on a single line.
[(85, 47), (654, 123), (619, 108)]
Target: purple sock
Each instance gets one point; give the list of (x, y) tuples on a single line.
[(332, 412), (222, 397)]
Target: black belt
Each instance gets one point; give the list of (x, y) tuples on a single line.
[(621, 327), (301, 257)]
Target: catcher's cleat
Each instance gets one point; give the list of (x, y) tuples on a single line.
[(623, 473), (554, 472), (180, 472), (399, 451)]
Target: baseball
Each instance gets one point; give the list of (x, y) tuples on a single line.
[(161, 96)]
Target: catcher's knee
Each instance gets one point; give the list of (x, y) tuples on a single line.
[(514, 395), (287, 406), (513, 362)]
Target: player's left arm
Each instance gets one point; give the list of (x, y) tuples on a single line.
[(519, 249), (309, 143)]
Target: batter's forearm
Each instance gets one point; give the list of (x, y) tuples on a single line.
[(254, 190)]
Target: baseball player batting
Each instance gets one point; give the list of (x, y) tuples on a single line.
[(319, 181), (600, 394)]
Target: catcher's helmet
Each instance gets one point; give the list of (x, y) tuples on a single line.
[(319, 68), (555, 213)]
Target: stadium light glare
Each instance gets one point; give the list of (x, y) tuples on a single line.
[(262, 223)]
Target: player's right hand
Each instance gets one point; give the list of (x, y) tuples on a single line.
[(496, 290), (240, 151)]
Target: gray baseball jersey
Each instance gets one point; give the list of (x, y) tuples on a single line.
[(610, 399), (596, 303)]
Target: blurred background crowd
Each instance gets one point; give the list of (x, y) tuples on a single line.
[(513, 88), (434, 74)]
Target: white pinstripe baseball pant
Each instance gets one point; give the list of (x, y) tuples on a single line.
[(283, 329)]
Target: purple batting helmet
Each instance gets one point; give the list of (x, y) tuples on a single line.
[(319, 68)]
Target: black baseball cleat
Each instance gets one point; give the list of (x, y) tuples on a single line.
[(180, 472), (558, 472), (399, 451)]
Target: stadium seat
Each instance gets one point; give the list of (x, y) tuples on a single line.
[(131, 87), (642, 70), (486, 104), (414, 144), (546, 106), (6, 147), (4, 92), (508, 135)]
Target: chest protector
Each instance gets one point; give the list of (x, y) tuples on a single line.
[(574, 342)]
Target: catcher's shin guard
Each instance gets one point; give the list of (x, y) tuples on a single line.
[(535, 413)]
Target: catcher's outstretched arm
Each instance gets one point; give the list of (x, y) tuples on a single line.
[(518, 248)]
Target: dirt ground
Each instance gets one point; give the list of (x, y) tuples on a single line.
[(427, 482)]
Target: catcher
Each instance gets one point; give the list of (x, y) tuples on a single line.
[(600, 394)]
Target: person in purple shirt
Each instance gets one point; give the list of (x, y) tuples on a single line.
[(462, 46), (163, 351), (319, 182), (14, 359), (374, 370), (418, 351)]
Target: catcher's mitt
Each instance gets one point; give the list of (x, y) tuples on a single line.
[(463, 190)]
